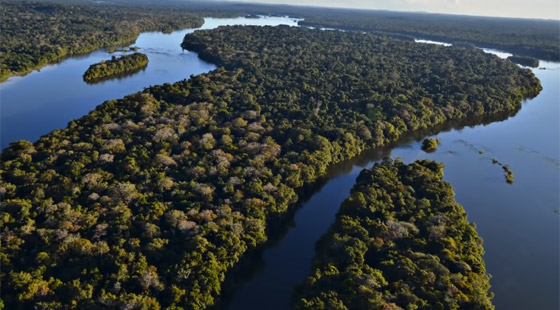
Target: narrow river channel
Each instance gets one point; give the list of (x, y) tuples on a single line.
[(518, 222)]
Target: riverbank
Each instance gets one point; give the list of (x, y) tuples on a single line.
[(60, 92), (182, 179), (116, 67), (124, 42), (199, 110), (400, 240), (484, 32), (268, 276), (36, 34)]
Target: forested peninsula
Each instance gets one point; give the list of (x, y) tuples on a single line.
[(400, 241), (37, 33), (148, 201), (117, 66), (524, 61)]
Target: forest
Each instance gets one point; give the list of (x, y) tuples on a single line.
[(150, 200), (524, 61), (38, 33), (116, 66), (429, 145), (524, 37), (400, 241), (35, 34)]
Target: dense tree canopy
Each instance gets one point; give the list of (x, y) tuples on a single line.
[(429, 145), (527, 37), (148, 201), (525, 61), (117, 66), (400, 241), (37, 33)]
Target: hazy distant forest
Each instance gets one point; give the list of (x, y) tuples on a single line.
[(37, 33)]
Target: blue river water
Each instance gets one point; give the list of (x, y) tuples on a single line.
[(518, 222), (44, 100)]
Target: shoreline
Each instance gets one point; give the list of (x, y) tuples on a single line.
[(122, 43)]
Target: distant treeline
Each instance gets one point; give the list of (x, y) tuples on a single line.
[(400, 241), (149, 201), (117, 66), (37, 33), (526, 37)]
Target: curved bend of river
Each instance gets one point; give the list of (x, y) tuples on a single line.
[(47, 99), (517, 222)]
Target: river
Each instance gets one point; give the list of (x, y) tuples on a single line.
[(517, 222), (44, 100)]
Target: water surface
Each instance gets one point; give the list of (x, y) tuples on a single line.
[(432, 42), (285, 263), (517, 221), (44, 100)]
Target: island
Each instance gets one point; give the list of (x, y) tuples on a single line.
[(430, 145), (117, 66), (35, 34), (524, 61), (508, 173), (38, 33), (400, 241), (150, 201)]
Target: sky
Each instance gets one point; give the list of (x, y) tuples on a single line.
[(547, 9)]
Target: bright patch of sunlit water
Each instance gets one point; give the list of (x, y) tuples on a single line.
[(47, 99), (432, 42)]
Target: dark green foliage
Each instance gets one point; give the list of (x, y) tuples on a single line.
[(387, 85), (525, 61), (430, 145), (527, 37), (148, 201), (508, 173), (125, 64), (400, 241), (37, 33)]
